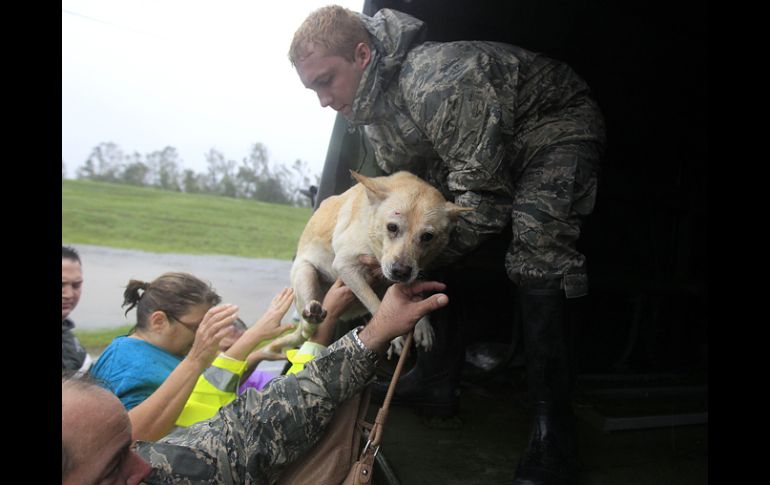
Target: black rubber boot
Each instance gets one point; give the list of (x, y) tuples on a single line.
[(551, 455), (432, 385)]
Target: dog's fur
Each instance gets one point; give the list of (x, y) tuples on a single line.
[(399, 219)]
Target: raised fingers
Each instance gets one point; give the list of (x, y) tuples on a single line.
[(218, 312), (282, 296)]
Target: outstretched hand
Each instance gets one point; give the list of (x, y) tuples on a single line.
[(267, 327), (216, 324), (337, 300), (402, 306)]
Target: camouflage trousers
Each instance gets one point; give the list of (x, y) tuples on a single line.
[(553, 194)]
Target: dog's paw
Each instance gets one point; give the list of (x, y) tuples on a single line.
[(314, 312), (396, 347), (424, 336)]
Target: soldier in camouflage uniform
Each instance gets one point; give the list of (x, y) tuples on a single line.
[(73, 356), (511, 133), (250, 440)]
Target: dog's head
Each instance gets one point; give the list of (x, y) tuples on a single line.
[(410, 223)]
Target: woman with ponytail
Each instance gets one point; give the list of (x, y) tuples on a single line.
[(179, 326)]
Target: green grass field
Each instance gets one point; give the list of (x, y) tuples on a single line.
[(95, 341), (147, 219), (159, 221)]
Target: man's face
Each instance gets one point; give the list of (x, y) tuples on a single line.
[(333, 78), (71, 283), (97, 432)]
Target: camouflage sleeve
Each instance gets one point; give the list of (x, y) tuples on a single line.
[(464, 122), (491, 215), (251, 439), (73, 355)]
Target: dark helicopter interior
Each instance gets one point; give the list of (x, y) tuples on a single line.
[(643, 331)]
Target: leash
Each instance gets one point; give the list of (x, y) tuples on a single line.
[(375, 435), (361, 471)]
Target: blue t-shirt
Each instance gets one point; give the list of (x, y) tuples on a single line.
[(133, 369)]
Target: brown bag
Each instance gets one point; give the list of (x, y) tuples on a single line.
[(332, 461)]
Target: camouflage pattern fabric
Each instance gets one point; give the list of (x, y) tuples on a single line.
[(253, 438), (72, 352), (509, 132)]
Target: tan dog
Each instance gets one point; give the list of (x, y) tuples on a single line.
[(400, 219)]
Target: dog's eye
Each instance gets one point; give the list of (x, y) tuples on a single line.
[(392, 227), (426, 236)]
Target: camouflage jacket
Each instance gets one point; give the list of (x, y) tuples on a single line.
[(72, 353), (253, 438), (466, 116)]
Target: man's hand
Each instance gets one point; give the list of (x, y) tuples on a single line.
[(216, 324), (401, 308), (337, 300)]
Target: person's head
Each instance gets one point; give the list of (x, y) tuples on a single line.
[(71, 280), (239, 328), (96, 436), (330, 51), (170, 308)]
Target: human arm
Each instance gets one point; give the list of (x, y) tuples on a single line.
[(336, 301), (155, 416), (218, 384), (267, 327), (256, 435), (464, 124), (473, 153), (401, 308)]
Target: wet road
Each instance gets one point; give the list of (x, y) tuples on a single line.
[(249, 283)]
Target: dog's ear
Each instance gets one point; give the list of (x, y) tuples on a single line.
[(455, 210), (376, 191)]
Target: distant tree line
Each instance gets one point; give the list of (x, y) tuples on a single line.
[(254, 178)]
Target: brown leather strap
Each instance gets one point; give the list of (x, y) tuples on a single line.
[(382, 414)]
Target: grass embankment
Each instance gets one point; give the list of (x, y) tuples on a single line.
[(124, 216), (95, 341), (147, 219)]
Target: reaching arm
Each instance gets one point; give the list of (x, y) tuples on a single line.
[(256, 435), (399, 312), (337, 299), (218, 385), (155, 416), (267, 327), (465, 122)]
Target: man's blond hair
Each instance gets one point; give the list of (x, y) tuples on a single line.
[(334, 29)]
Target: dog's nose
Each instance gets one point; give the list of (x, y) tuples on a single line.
[(401, 272)]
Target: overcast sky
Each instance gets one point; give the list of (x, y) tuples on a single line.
[(192, 74)]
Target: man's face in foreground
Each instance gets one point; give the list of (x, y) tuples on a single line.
[(97, 431)]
